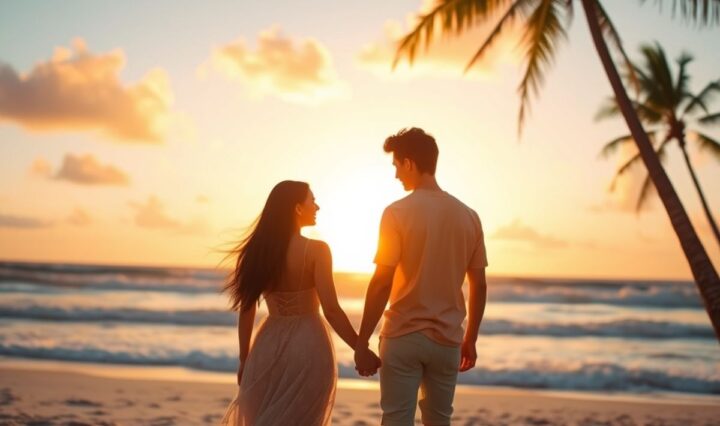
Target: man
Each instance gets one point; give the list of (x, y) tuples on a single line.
[(429, 241)]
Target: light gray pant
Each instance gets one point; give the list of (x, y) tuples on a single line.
[(413, 362)]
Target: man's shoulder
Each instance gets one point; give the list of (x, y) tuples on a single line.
[(400, 203), (461, 205), (414, 200)]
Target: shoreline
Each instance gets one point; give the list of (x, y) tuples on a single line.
[(187, 375), (106, 394), (365, 274)]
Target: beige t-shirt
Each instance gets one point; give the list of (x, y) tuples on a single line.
[(432, 239)]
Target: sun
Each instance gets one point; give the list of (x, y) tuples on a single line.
[(349, 216)]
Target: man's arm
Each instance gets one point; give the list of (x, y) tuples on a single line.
[(376, 299), (477, 299)]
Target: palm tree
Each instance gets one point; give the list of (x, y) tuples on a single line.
[(665, 105), (543, 28)]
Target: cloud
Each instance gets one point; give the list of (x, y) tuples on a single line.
[(79, 217), (151, 214), (447, 55), (516, 231), (202, 199), (79, 90), (22, 222), (293, 70), (40, 167), (86, 170), (80, 169)]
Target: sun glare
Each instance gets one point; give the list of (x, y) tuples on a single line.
[(349, 216)]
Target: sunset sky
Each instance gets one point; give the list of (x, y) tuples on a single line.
[(150, 133)]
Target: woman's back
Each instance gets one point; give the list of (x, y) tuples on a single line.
[(290, 372), (297, 273), (287, 372), (295, 292)]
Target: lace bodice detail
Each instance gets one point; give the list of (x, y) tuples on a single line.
[(291, 303)]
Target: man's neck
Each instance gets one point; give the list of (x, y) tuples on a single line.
[(428, 182)]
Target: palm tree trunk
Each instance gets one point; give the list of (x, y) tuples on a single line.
[(706, 277), (708, 213)]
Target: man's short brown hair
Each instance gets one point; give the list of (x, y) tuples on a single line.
[(415, 145)]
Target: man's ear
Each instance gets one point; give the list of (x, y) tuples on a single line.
[(409, 164)]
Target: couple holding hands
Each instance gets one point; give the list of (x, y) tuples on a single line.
[(429, 242)]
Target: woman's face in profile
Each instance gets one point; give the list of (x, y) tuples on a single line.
[(307, 210)]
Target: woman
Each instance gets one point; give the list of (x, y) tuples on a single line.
[(288, 375)]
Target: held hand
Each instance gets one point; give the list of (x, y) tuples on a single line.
[(366, 362), (378, 362), (468, 356)]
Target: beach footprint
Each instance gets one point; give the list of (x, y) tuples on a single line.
[(7, 397), (126, 402), (163, 421), (79, 402), (212, 418)]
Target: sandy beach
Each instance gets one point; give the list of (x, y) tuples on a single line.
[(46, 393)]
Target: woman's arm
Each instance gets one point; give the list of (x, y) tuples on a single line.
[(246, 320), (325, 286)]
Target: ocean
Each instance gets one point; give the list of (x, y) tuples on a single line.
[(617, 336)]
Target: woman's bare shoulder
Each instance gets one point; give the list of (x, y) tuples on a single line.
[(318, 248)]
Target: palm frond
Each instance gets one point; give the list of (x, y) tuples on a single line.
[(694, 103), (648, 187), (681, 85), (624, 168), (608, 109), (661, 82), (635, 159), (454, 15), (648, 113), (610, 147), (645, 190), (569, 11), (649, 87), (703, 97), (507, 19), (543, 31), (642, 79), (698, 12), (611, 34), (708, 144), (710, 119)]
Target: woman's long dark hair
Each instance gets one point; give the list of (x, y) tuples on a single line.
[(261, 255)]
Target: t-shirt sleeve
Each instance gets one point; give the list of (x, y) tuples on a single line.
[(479, 257), (389, 242)]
